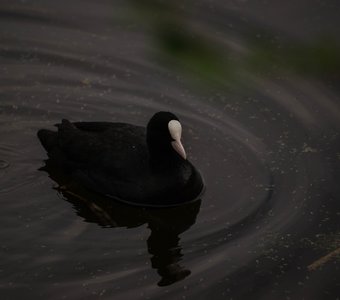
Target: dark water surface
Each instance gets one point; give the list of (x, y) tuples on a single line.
[(269, 153)]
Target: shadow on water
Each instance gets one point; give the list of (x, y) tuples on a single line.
[(165, 224)]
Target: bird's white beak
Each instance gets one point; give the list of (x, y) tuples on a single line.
[(177, 145), (175, 129)]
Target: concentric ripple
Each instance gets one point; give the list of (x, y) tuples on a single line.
[(268, 151)]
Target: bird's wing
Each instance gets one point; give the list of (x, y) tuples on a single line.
[(113, 148)]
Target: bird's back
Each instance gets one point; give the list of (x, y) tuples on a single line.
[(113, 148)]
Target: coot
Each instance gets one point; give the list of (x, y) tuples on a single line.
[(141, 166)]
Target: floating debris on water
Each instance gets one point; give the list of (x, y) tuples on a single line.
[(308, 149), (86, 81), (321, 261)]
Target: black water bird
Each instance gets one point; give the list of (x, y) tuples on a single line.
[(133, 164)]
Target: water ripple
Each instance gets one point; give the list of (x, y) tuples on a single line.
[(269, 154)]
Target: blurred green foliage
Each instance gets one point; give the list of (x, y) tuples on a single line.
[(182, 46)]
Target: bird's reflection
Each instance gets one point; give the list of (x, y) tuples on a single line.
[(166, 224)]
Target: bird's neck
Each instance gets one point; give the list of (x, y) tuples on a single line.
[(164, 157)]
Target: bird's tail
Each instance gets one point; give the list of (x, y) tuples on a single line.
[(48, 138)]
